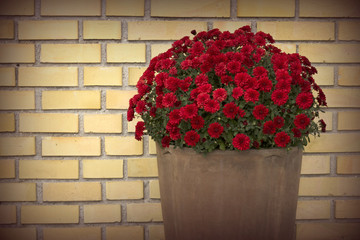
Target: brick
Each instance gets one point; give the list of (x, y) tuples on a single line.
[(142, 167), (102, 213), (48, 169), (72, 191), (102, 29), (325, 76), (71, 8), (348, 120), (71, 146), (103, 76), (7, 122), (230, 26), (156, 49), (7, 214), (340, 142), (156, 232), (331, 53), (17, 146), (289, 30), (17, 53), (126, 52), (124, 8), (349, 76), (48, 122), (12, 7), (345, 97), (48, 76), (71, 99), (348, 164), (7, 168), (103, 123), (154, 189), (328, 8), (315, 231), (134, 74), (49, 29), (329, 186), (286, 47), (7, 29), (52, 214), (102, 168), (70, 53), (263, 8), (132, 124), (347, 209), (123, 146), (170, 30), (144, 212), (71, 233), (152, 146), (313, 209), (7, 76), (348, 30), (18, 233), (118, 99), (16, 192), (315, 164), (17, 100), (125, 232), (188, 8), (124, 190)]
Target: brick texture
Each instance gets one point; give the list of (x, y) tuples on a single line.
[(48, 169), (48, 76), (72, 191), (101, 213), (6, 29), (104, 168), (7, 76), (125, 232), (66, 29), (263, 8), (82, 233), (124, 190), (17, 53), (71, 8), (49, 214)]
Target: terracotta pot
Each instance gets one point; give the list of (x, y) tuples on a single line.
[(229, 195)]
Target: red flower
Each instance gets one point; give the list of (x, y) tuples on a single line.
[(230, 110), (301, 121), (191, 138), (251, 95), (189, 111), (323, 125), (202, 98), (296, 132), (260, 112), (175, 116), (169, 99), (139, 130), (172, 83), (241, 78), (269, 127), (237, 92), (201, 79), (279, 97), (233, 67), (260, 71), (130, 114), (220, 94), (278, 122), (282, 139), (304, 100), (212, 106), (141, 107), (215, 130), (197, 122), (165, 142), (264, 84), (241, 142)]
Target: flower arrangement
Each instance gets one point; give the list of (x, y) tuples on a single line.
[(228, 91)]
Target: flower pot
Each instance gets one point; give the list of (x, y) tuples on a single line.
[(229, 195)]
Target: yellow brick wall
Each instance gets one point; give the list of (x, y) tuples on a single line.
[(67, 70)]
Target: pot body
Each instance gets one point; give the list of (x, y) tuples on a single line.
[(229, 195)]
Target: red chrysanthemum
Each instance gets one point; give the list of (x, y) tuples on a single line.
[(264, 84), (197, 122), (260, 112), (172, 83), (189, 111), (230, 110), (139, 130), (296, 132), (201, 79), (212, 106), (191, 138), (304, 100), (279, 97), (251, 95), (322, 125), (202, 98), (215, 130), (282, 139), (169, 99), (220, 94), (165, 141), (260, 71), (140, 107), (237, 92), (130, 114), (301, 121), (175, 116), (269, 127), (278, 122), (233, 67), (241, 141)]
